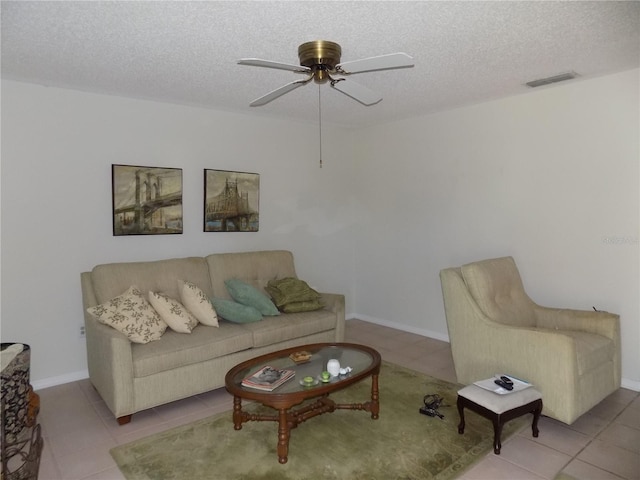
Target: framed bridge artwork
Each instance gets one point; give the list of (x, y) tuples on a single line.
[(146, 200), (231, 201)]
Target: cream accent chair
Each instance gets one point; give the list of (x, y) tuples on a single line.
[(571, 356)]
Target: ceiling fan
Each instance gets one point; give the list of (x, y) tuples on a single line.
[(320, 60)]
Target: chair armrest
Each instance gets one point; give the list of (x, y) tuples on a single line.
[(526, 353), (601, 323), (335, 303), (530, 350), (547, 359)]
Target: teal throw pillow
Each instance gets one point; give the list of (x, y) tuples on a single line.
[(248, 295), (235, 312)]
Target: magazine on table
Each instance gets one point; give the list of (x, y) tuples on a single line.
[(490, 384), (268, 378)]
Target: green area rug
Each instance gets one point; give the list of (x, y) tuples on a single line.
[(343, 445)]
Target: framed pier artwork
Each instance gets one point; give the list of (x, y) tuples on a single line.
[(146, 200), (231, 201)]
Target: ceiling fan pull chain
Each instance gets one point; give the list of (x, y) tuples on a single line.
[(320, 120)]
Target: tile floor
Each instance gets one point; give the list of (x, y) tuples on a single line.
[(603, 444)]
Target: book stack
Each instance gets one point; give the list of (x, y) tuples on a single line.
[(268, 378)]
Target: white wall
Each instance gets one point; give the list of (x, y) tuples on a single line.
[(57, 150), (550, 177)]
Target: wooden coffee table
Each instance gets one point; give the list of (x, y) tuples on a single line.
[(364, 361)]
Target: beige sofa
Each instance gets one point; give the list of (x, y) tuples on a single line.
[(571, 356), (131, 377)]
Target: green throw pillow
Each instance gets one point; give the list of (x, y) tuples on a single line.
[(235, 312), (297, 307), (248, 295), (290, 290)]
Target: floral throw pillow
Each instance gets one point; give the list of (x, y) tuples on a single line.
[(132, 315), (195, 300), (173, 313)]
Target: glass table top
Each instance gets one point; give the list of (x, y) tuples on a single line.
[(357, 358)]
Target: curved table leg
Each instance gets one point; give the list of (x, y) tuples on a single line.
[(283, 436), (237, 413), (375, 397)]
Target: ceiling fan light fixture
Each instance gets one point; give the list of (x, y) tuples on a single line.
[(320, 52)]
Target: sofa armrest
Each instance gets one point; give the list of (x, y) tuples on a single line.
[(109, 357), (335, 303)]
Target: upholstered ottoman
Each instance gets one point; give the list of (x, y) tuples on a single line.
[(499, 408)]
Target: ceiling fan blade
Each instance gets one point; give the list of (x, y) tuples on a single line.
[(278, 92), (356, 91), (382, 62), (257, 62)]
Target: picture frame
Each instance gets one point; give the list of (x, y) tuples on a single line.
[(231, 201), (146, 200)]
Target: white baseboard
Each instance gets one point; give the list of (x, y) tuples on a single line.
[(631, 384), (66, 378), (626, 383), (81, 375), (399, 326)]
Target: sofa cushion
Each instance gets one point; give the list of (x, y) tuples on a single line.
[(131, 314), (249, 295), (254, 268), (173, 313), (112, 279), (195, 300), (289, 326), (235, 312), (175, 350)]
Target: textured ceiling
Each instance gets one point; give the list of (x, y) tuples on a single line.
[(186, 52)]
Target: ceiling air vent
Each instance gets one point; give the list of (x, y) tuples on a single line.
[(556, 78)]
